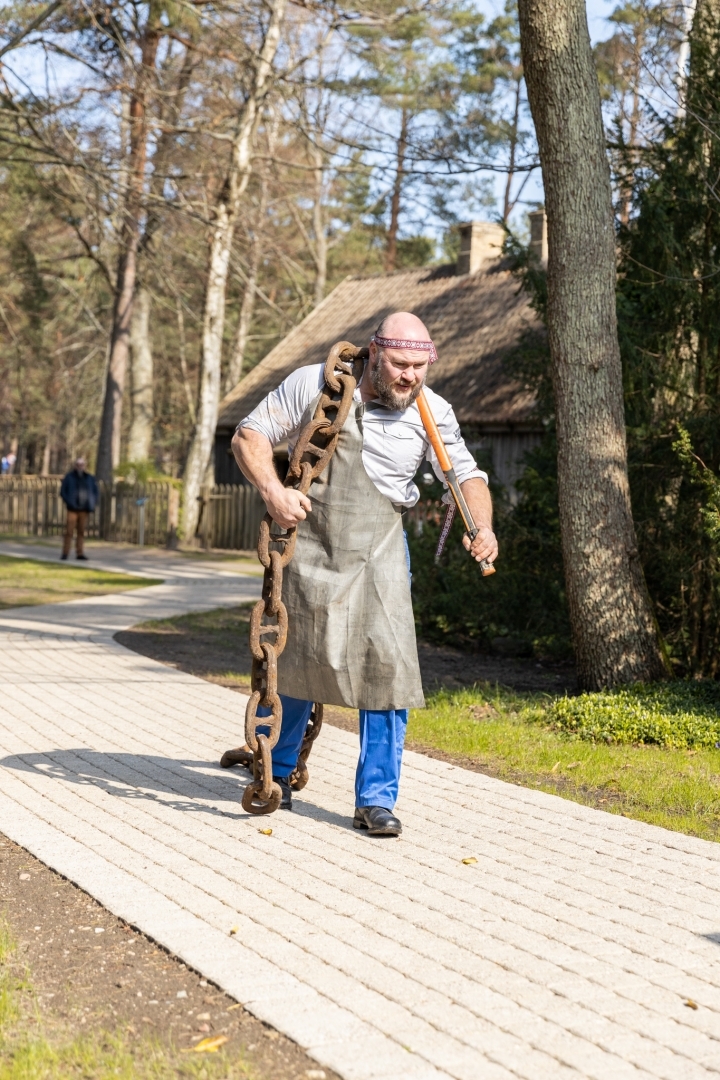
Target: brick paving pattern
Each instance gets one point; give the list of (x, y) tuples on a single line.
[(567, 950)]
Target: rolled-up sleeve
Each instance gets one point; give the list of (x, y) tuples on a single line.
[(279, 415), (463, 462)]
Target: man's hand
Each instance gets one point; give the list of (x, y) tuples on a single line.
[(484, 545), (287, 506), (254, 454), (477, 496)]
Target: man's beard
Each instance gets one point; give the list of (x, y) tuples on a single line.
[(386, 392)]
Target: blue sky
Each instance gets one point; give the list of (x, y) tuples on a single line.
[(597, 12), (29, 64)]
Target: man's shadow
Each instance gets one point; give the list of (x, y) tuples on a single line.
[(189, 783)]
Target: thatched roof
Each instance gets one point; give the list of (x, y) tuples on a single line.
[(474, 319)]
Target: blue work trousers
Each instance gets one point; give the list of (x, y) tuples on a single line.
[(382, 736)]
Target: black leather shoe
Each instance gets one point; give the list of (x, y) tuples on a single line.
[(377, 820), (83, 557), (63, 556), (286, 801)]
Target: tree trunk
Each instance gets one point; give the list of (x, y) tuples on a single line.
[(507, 203), (321, 245), (47, 450), (111, 423), (247, 308), (189, 396), (226, 213), (391, 250), (141, 429), (684, 54), (612, 620)]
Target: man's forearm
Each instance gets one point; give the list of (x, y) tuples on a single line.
[(477, 496), (254, 455)]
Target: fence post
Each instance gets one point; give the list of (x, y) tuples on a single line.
[(205, 518), (173, 518)]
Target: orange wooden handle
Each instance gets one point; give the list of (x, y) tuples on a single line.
[(433, 432)]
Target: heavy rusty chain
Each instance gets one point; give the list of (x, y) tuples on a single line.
[(315, 447)]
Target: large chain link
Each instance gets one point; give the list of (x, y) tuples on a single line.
[(315, 447)]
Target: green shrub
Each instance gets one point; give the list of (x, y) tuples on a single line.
[(524, 603), (677, 715)]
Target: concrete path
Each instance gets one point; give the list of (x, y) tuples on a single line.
[(567, 950)]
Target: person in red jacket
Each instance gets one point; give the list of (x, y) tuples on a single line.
[(79, 492)]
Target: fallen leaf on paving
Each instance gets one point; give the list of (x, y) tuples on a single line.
[(471, 861), (690, 1003), (207, 1046), (234, 930), (265, 832), (555, 767), (237, 1005)]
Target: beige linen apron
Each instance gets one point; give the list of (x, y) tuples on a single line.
[(351, 638)]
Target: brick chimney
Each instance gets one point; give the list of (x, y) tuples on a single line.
[(480, 243), (538, 235)]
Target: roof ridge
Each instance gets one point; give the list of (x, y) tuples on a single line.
[(400, 272)]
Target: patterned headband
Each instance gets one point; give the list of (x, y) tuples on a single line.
[(401, 343)]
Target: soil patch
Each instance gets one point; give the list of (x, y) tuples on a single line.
[(92, 972)]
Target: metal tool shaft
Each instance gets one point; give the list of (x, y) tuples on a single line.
[(436, 441)]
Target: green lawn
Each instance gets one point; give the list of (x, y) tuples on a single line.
[(520, 739), (29, 581), (33, 1047)]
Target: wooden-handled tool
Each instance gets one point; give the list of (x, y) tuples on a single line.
[(433, 433)]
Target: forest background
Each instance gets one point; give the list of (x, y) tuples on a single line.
[(181, 182)]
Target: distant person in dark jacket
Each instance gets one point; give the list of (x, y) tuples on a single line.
[(80, 494)]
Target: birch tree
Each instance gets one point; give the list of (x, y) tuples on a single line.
[(142, 368), (257, 230), (108, 455), (610, 612), (226, 213)]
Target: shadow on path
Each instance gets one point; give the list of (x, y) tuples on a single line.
[(147, 777)]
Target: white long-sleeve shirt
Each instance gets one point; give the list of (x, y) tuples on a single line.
[(394, 443)]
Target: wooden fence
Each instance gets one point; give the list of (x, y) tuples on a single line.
[(131, 513), (230, 514), (230, 517)]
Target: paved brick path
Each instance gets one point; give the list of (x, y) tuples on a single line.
[(567, 950)]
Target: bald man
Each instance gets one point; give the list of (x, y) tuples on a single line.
[(351, 638)]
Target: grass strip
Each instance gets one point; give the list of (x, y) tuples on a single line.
[(27, 582)]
